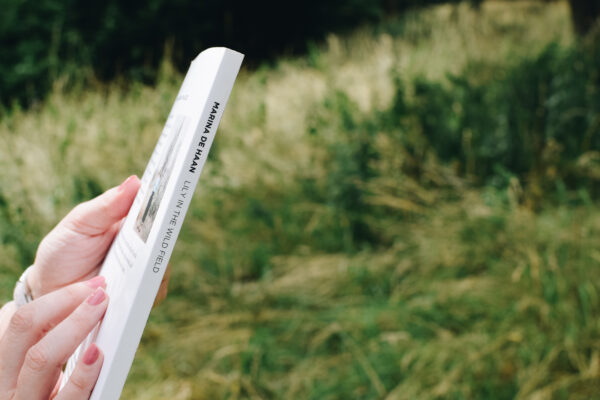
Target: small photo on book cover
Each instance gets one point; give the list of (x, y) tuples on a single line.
[(158, 184)]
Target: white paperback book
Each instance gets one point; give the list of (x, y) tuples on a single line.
[(136, 262)]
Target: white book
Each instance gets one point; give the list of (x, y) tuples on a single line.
[(138, 257)]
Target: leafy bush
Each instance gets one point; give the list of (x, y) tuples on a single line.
[(537, 120)]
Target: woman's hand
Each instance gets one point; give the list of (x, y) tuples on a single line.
[(74, 250), (43, 334)]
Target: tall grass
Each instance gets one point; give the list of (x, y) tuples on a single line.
[(346, 241)]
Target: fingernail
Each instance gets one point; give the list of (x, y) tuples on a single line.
[(96, 282), (91, 354), (97, 297), (125, 183)]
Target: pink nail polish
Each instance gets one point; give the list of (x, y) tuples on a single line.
[(97, 297), (96, 282), (91, 354)]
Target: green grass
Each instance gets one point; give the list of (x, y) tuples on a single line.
[(322, 258)]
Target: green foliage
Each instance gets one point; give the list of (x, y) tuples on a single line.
[(16, 232), (349, 162), (536, 120)]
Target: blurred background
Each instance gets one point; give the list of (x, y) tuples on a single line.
[(402, 201)]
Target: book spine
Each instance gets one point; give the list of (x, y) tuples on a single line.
[(170, 227)]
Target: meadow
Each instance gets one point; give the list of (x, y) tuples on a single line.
[(407, 212)]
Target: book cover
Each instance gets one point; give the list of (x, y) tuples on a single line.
[(138, 257)]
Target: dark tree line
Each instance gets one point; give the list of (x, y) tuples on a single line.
[(43, 39), (585, 14), (40, 39)]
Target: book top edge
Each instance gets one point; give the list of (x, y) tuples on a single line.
[(223, 51)]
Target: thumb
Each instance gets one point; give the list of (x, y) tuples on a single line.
[(98, 215)]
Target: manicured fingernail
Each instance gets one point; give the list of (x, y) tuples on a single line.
[(96, 282), (123, 185), (91, 354), (97, 297)]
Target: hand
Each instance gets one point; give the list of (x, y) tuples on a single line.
[(74, 250), (43, 334)]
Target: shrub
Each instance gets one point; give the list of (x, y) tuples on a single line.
[(537, 120)]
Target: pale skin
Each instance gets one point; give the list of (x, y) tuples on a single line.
[(69, 300)]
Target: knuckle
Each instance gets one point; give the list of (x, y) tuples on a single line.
[(77, 225), (79, 382), (77, 220), (73, 215), (47, 327), (106, 207), (72, 292), (22, 320), (79, 319), (79, 209), (37, 359)]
